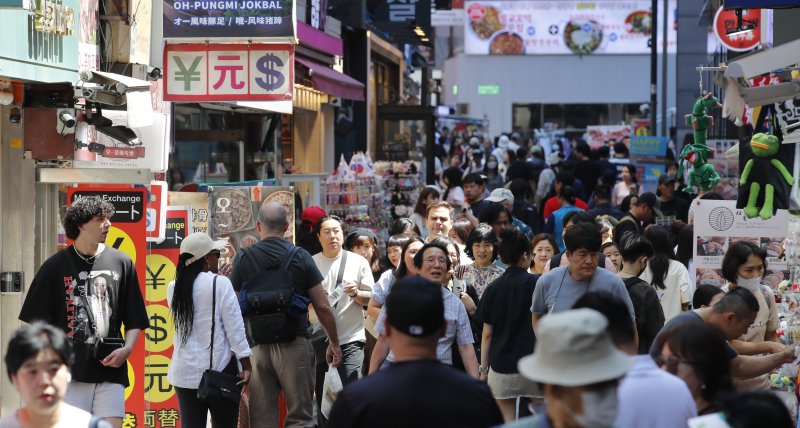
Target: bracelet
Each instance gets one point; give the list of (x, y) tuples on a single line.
[(483, 369)]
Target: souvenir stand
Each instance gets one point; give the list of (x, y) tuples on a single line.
[(401, 183), (354, 193)]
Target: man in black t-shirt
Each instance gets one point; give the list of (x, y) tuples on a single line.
[(416, 390), (669, 204), (90, 290), (288, 366)]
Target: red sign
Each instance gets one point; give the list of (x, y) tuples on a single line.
[(128, 236), (726, 20), (228, 72), (123, 152), (156, 211)]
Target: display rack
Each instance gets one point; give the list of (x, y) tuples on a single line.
[(359, 203)]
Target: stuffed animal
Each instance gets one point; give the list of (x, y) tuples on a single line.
[(765, 147), (703, 176)]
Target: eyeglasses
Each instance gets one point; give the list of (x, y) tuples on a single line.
[(671, 364), (433, 262)]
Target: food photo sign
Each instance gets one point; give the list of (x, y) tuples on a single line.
[(719, 224), (562, 27)]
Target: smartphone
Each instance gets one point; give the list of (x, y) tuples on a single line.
[(459, 286)]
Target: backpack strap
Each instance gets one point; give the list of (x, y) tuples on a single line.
[(213, 322), (555, 261), (289, 257)]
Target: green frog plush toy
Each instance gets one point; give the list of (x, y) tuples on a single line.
[(765, 147)]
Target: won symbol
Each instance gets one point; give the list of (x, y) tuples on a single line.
[(273, 78)]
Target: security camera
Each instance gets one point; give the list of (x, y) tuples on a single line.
[(153, 73), (66, 121)]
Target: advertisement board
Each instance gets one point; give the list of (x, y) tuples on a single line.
[(228, 19), (197, 72), (600, 135), (562, 27)]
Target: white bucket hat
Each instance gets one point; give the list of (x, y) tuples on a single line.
[(500, 195), (574, 349), (199, 245)]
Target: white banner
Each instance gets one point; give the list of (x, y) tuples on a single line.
[(563, 27), (718, 224)]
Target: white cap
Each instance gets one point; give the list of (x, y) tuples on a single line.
[(500, 195), (199, 245)]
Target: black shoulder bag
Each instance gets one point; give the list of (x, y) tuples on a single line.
[(214, 384)]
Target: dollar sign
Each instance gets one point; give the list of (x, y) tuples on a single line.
[(160, 333), (273, 79)]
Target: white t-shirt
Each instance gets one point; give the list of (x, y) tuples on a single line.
[(679, 288), (348, 313), (456, 197), (71, 417)]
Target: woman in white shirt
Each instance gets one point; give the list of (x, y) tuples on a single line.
[(191, 297), (744, 266), (453, 194), (669, 277), (427, 195), (628, 185)]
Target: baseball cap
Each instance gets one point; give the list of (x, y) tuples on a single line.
[(666, 178), (500, 195), (537, 149), (554, 159), (415, 307), (199, 245), (312, 214), (573, 348), (651, 200)]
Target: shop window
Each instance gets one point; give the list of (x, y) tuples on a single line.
[(386, 83)]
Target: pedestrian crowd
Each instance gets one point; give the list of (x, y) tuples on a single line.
[(520, 291)]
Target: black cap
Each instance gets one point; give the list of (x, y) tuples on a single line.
[(666, 178), (415, 307), (651, 200)]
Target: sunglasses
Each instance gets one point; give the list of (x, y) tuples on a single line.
[(671, 364)]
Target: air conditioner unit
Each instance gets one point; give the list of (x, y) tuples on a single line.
[(462, 109)]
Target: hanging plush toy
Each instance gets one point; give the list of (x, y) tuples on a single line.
[(765, 147), (703, 176)]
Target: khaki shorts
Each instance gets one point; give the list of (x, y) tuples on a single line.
[(106, 399), (506, 386)]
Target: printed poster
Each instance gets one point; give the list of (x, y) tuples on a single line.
[(718, 224), (198, 201)]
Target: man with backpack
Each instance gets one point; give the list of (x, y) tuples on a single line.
[(276, 281)]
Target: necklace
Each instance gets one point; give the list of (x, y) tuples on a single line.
[(89, 260)]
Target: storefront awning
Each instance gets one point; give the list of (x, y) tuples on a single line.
[(319, 40), (332, 82)]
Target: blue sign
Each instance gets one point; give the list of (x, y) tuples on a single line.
[(648, 146)]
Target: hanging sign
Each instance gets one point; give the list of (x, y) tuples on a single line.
[(726, 20), (226, 19), (228, 72)]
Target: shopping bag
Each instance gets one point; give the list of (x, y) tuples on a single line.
[(330, 388)]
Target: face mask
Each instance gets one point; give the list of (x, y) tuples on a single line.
[(599, 408), (446, 147), (750, 284), (491, 164)]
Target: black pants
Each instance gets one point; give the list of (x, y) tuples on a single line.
[(194, 412)]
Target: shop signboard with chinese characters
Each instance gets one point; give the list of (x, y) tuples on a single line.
[(719, 224), (229, 19), (127, 234), (162, 402), (562, 27), (198, 202), (739, 41), (228, 72)]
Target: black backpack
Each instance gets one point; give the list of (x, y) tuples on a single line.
[(555, 261), (266, 301)]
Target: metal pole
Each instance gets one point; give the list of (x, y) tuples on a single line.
[(653, 66), (664, 30)]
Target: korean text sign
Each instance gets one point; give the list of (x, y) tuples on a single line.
[(228, 72), (215, 19)]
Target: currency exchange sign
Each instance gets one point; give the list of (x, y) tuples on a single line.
[(228, 72)]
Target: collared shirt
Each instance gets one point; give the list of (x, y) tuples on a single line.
[(652, 398), (381, 288), (458, 328), (190, 360)]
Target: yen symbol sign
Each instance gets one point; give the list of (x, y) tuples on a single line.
[(187, 75)]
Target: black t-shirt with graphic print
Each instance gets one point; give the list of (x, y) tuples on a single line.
[(88, 301)]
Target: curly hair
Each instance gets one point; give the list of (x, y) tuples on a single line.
[(82, 211)]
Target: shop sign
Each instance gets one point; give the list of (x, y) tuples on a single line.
[(228, 72), (53, 18), (726, 20), (488, 89), (563, 27), (405, 11), (156, 211), (128, 206), (599, 135), (228, 19), (447, 18), (641, 127), (648, 146), (317, 12)]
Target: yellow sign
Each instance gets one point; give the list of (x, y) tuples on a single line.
[(159, 334), (157, 388), (54, 18), (120, 240), (160, 272)]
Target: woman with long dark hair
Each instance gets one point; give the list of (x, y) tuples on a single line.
[(427, 196), (668, 276), (627, 186), (454, 193), (193, 296)]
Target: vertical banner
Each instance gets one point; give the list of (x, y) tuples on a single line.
[(162, 403), (127, 234), (156, 211), (718, 224)]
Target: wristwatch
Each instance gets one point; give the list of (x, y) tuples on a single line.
[(483, 369), (354, 294)]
